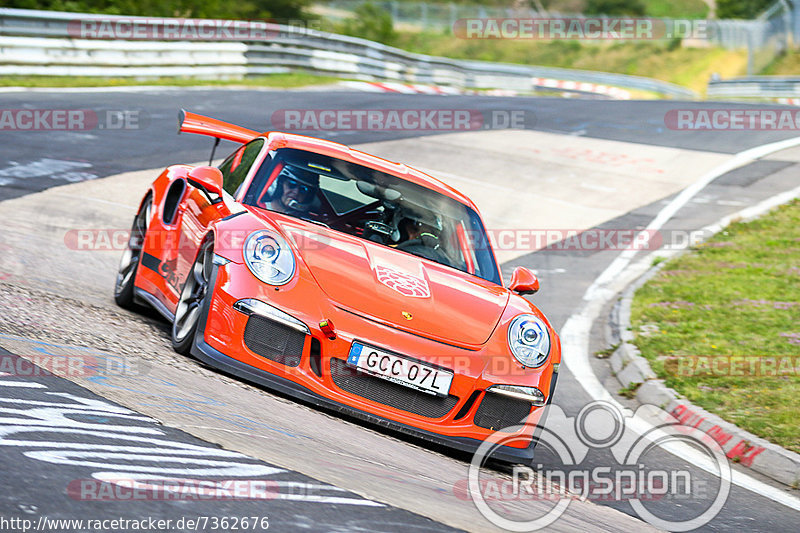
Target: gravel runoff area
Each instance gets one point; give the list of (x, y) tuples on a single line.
[(51, 318)]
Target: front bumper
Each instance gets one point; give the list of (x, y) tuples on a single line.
[(213, 356)]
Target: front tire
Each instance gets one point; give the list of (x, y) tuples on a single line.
[(129, 263), (190, 304)]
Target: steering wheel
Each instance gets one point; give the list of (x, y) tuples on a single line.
[(426, 246), (381, 230)]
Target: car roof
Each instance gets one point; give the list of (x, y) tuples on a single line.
[(333, 149)]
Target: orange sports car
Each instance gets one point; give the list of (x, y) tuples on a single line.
[(344, 280)]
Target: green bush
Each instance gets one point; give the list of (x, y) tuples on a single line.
[(615, 7), (370, 22), (741, 9), (674, 44)]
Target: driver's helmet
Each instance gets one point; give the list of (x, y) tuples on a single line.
[(293, 176), (428, 225)]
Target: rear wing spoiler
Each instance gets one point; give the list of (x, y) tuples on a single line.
[(189, 122)]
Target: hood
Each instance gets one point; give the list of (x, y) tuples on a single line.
[(398, 288)]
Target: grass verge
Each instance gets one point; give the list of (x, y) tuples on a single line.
[(786, 65), (678, 9), (690, 67), (278, 81), (722, 325)]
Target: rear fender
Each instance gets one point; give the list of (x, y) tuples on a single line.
[(160, 275)]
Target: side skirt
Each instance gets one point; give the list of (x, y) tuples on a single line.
[(141, 296)]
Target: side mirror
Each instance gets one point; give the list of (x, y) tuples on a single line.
[(523, 281), (208, 179)]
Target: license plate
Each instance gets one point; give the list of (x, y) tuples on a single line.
[(400, 370)]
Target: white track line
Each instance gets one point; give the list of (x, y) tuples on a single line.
[(575, 333), (685, 196)]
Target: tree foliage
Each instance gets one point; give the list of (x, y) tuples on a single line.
[(370, 22), (615, 7), (741, 9)]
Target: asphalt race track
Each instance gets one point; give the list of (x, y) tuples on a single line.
[(125, 147), (323, 473), (293, 501)]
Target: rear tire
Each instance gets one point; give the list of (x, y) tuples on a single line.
[(131, 257), (193, 295)]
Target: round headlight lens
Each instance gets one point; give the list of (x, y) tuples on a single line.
[(269, 257), (529, 336), (529, 340)]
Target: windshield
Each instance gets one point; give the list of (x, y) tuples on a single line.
[(376, 206)]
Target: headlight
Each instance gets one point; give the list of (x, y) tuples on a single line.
[(529, 340), (269, 257)]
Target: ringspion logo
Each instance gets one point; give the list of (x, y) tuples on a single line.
[(630, 470)]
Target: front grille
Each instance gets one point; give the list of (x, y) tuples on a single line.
[(388, 393), (497, 411), (274, 341)]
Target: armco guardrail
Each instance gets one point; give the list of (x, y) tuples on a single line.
[(755, 87), (50, 43)]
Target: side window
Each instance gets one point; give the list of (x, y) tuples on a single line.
[(235, 168)]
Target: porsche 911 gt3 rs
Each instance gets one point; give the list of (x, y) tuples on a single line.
[(345, 280)]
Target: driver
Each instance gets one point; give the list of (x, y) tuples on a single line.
[(423, 239), (295, 191), (418, 231)]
